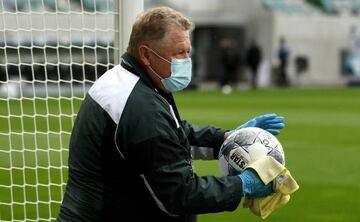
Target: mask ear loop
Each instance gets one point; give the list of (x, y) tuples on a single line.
[(157, 54), (155, 73), (160, 58), (150, 65)]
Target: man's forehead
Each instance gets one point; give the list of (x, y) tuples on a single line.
[(177, 34)]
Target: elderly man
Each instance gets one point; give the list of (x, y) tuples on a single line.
[(130, 152)]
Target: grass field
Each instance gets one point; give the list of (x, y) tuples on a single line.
[(321, 142)]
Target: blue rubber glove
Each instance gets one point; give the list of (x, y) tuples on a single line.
[(252, 186), (269, 122)]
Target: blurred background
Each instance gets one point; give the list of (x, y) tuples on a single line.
[(298, 58), (320, 38)]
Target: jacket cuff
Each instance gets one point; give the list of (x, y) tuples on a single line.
[(219, 138), (236, 197)]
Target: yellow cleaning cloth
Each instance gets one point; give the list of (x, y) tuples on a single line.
[(269, 170)]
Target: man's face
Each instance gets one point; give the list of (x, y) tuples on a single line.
[(175, 45)]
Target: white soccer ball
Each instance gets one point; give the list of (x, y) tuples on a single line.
[(245, 145)]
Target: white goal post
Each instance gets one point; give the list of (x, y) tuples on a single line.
[(51, 51)]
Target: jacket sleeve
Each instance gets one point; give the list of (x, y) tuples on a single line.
[(176, 188), (205, 141), (159, 152)]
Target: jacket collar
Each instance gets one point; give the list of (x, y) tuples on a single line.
[(132, 65)]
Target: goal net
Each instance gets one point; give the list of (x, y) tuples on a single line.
[(51, 51)]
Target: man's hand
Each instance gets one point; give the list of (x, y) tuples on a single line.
[(252, 186), (269, 122)]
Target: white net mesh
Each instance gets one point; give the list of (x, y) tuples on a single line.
[(51, 51)]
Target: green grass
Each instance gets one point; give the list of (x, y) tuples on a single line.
[(321, 141)]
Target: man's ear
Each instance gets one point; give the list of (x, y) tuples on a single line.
[(144, 55)]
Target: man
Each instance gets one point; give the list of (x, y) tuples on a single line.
[(231, 61), (253, 59), (130, 154), (283, 56)]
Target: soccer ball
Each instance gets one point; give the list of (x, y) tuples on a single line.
[(245, 145)]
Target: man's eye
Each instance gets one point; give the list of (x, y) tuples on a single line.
[(185, 53)]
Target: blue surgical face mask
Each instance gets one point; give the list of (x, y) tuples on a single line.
[(180, 73)]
